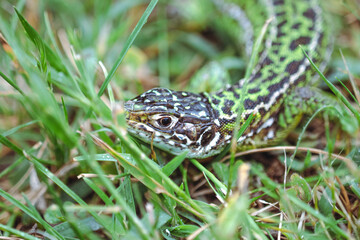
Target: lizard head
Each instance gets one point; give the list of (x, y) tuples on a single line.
[(175, 121)]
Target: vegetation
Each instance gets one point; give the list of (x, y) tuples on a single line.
[(68, 169)]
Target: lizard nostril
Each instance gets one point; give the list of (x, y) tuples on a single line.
[(129, 105)]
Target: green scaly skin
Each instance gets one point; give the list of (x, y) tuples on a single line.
[(276, 92)]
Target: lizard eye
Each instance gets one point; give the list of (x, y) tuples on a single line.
[(164, 122)]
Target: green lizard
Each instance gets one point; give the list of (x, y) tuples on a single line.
[(276, 92)]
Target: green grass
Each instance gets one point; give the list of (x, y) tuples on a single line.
[(68, 169)]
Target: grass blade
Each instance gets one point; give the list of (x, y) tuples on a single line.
[(333, 88), (16, 232), (53, 59), (30, 212), (128, 44)]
